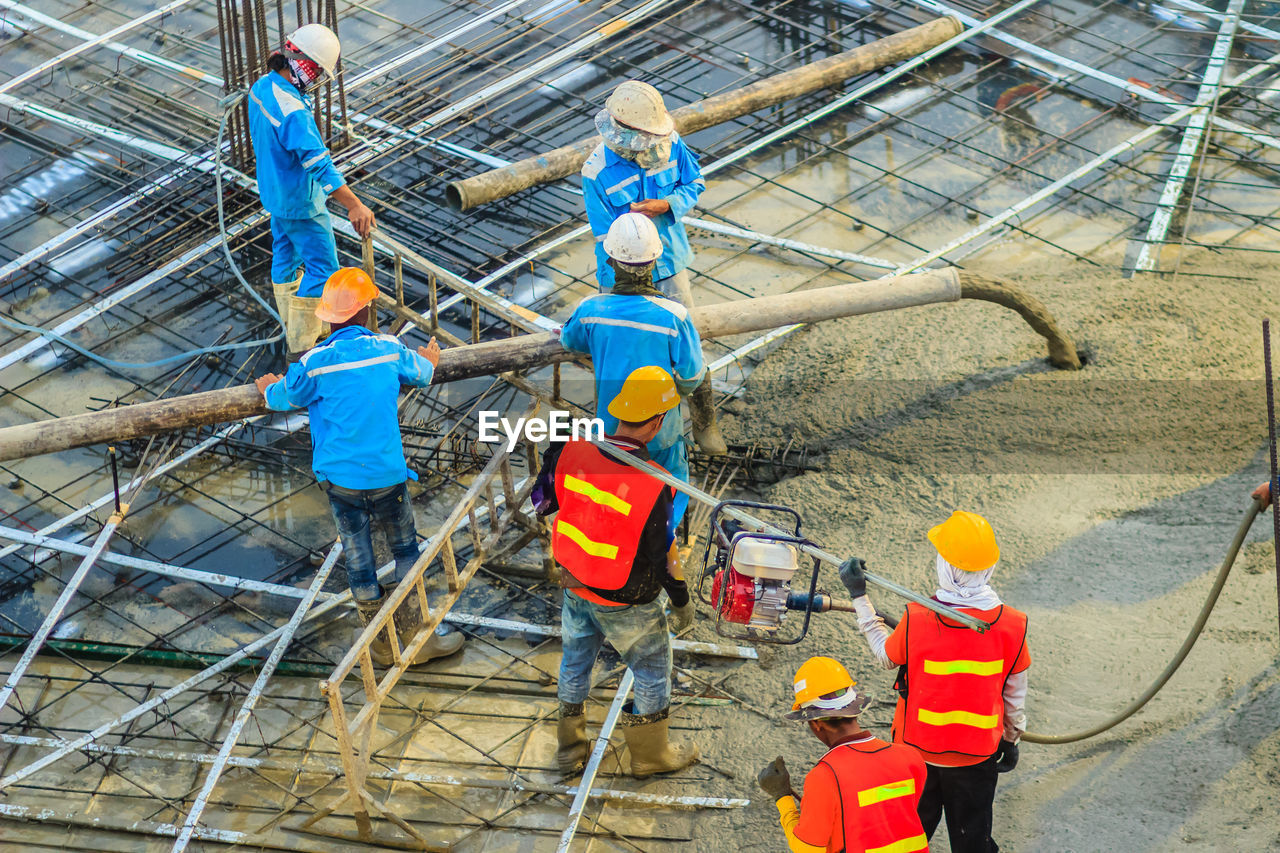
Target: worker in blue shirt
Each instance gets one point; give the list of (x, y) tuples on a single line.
[(350, 385), (295, 175), (642, 166), (634, 326)]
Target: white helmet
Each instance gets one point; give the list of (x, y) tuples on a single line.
[(633, 239), (319, 44), (639, 105)]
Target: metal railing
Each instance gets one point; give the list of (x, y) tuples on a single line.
[(354, 733)]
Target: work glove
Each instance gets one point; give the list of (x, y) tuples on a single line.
[(852, 574), (682, 616), (774, 779), (1006, 756)]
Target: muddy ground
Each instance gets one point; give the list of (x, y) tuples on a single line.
[(1114, 493)]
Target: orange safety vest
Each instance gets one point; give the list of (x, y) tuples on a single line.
[(879, 785), (604, 505), (955, 681)]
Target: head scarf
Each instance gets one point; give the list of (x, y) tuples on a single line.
[(647, 150), (633, 279), (965, 589)]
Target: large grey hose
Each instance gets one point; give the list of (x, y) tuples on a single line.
[(1192, 636)]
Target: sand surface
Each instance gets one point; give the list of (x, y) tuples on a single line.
[(1114, 492)]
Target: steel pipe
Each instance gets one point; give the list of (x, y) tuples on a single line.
[(530, 351), (567, 160)]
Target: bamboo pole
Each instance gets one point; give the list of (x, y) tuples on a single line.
[(562, 162), (530, 351)]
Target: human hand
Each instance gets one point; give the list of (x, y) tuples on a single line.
[(774, 779), (853, 576), (266, 381), (682, 616), (431, 352), (1006, 756), (361, 218), (651, 207), (1262, 495)]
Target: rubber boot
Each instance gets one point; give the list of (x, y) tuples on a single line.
[(706, 432), (302, 327), (408, 621), (651, 751), (282, 290), (380, 648), (571, 736)]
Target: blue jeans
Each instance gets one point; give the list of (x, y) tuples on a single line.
[(638, 632), (309, 242), (355, 511)]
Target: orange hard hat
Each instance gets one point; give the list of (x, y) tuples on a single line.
[(966, 541), (346, 292)]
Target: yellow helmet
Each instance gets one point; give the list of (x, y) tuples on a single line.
[(824, 689), (966, 541), (648, 391)]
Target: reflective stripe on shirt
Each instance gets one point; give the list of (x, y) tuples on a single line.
[(352, 365), (958, 718), (629, 324), (964, 667)]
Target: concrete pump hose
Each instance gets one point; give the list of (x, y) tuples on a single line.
[(1190, 641), (1062, 352)]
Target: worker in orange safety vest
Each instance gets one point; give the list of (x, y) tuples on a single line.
[(961, 692), (613, 540), (861, 795)]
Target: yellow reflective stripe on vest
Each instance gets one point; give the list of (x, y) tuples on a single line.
[(880, 793), (959, 718), (963, 667), (595, 549), (906, 845), (596, 495)]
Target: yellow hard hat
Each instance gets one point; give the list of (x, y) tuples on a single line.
[(648, 391), (824, 689), (346, 292), (966, 541)]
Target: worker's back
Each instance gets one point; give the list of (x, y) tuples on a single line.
[(350, 384), (864, 793), (954, 681), (286, 143), (622, 333)]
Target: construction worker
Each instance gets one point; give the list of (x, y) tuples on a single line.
[(634, 326), (295, 175), (350, 385), (612, 538), (962, 693), (642, 166), (861, 795)]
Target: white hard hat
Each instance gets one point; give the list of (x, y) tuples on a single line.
[(319, 44), (633, 239), (639, 105)]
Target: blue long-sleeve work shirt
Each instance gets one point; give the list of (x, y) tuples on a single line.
[(610, 183), (622, 333), (350, 384), (295, 172)]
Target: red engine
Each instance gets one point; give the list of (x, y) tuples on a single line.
[(739, 596)]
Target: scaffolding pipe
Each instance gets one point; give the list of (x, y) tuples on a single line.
[(825, 73), (593, 763), (219, 763), (55, 612), (1206, 104), (530, 351), (36, 71)]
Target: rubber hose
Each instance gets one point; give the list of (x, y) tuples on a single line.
[(1190, 641)]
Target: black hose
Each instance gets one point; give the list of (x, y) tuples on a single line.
[(1192, 636)]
